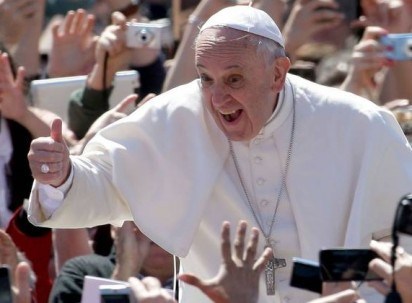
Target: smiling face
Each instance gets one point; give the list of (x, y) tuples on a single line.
[(239, 87)]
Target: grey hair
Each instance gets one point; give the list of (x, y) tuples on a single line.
[(268, 49)]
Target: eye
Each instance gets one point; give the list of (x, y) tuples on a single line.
[(235, 81), (205, 80)]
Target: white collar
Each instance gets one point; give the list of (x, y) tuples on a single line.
[(282, 111)]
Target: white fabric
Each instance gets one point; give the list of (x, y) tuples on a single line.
[(6, 150), (167, 166), (247, 19)]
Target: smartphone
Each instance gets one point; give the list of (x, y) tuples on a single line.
[(306, 275), (398, 46), (6, 295), (114, 293), (341, 264)]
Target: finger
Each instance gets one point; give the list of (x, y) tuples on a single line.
[(225, 244), (146, 99), (260, 263), (346, 296), (380, 287), (383, 249), (78, 21), (22, 282), (192, 280), (239, 243), (151, 283), (56, 132), (89, 25), (382, 269), (119, 19), (125, 104), (137, 287), (252, 245), (68, 22), (21, 73), (7, 67)]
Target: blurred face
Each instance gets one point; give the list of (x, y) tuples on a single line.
[(239, 88)]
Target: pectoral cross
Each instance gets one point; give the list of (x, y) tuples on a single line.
[(270, 271)]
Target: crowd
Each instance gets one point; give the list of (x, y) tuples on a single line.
[(289, 120)]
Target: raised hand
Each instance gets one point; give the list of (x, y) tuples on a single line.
[(238, 276), (15, 17), (307, 18), (132, 248), (367, 60), (12, 100), (382, 267), (346, 296), (148, 290), (49, 157), (393, 15), (73, 45)]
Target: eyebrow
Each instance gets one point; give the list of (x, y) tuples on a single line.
[(229, 67)]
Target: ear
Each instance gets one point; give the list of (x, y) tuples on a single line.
[(280, 69)]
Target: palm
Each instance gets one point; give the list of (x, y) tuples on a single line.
[(238, 276)]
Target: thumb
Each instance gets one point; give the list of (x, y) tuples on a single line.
[(124, 105), (56, 132), (23, 283), (192, 280)]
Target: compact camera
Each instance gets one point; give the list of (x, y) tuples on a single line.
[(114, 293), (6, 295), (145, 35), (398, 46)]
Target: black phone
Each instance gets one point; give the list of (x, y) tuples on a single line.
[(306, 275), (339, 264), (403, 218), (6, 295)]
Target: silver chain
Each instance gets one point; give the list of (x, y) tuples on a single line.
[(284, 175)]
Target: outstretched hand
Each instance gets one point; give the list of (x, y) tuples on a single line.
[(238, 276), (49, 157)]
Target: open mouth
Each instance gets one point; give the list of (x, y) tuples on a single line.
[(232, 116)]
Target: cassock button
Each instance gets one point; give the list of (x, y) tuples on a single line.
[(264, 203), (260, 181), (258, 160), (286, 299), (257, 141)]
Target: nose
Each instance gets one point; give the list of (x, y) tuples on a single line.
[(219, 95)]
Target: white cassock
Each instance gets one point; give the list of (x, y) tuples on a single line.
[(167, 166)]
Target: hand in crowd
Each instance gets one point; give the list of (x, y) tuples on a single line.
[(12, 99), (148, 290), (393, 15), (239, 273), (307, 18), (73, 45), (367, 60), (52, 151), (345, 296), (15, 17), (132, 247), (382, 267)]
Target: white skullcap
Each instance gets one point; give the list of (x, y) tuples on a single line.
[(248, 19)]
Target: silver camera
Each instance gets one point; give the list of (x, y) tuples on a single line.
[(144, 35), (399, 46)]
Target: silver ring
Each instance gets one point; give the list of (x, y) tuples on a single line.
[(44, 168)]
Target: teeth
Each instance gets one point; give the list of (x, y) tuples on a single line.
[(227, 113)]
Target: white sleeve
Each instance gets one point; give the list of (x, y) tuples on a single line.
[(50, 198)]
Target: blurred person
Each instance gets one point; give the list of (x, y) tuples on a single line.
[(307, 19), (133, 255), (112, 55), (21, 24), (247, 141)]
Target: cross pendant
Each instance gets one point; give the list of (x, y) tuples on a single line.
[(270, 271)]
